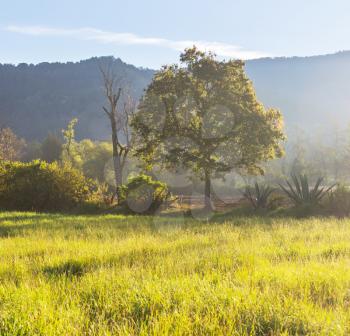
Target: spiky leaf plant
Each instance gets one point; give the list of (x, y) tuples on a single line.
[(258, 196), (300, 193)]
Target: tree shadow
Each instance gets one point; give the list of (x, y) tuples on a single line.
[(70, 268), (28, 217)]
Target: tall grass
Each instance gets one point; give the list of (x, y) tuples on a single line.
[(115, 275)]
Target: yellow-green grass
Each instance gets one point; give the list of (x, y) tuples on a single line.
[(116, 275)]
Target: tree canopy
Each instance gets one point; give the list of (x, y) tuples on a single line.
[(204, 115)]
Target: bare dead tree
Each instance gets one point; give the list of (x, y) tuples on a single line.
[(119, 111), (128, 111)]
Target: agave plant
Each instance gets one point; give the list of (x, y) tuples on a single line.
[(301, 194), (258, 195)]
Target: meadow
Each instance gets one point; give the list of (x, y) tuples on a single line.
[(129, 275)]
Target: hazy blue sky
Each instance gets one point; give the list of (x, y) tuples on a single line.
[(152, 32)]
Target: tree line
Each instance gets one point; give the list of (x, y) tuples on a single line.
[(200, 116)]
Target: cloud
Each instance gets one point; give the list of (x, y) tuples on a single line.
[(101, 36)]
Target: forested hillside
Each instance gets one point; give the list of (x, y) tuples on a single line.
[(37, 99), (312, 92)]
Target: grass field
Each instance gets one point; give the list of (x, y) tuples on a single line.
[(111, 275)]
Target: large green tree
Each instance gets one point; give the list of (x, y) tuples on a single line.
[(203, 115)]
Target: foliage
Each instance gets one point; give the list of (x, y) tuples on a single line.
[(103, 193), (301, 194), (91, 157), (338, 202), (11, 147), (259, 195), (33, 151), (94, 156), (142, 194), (51, 148), (70, 152), (205, 116), (41, 186)]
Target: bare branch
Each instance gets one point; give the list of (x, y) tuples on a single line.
[(120, 107), (107, 112)]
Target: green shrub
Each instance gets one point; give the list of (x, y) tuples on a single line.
[(41, 186), (338, 202), (142, 194)]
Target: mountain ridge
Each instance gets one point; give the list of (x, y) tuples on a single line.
[(310, 91)]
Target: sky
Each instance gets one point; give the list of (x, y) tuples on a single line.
[(150, 33)]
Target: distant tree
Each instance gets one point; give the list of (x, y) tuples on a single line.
[(95, 156), (11, 146), (32, 152), (51, 148), (119, 111), (205, 116), (70, 150), (298, 153)]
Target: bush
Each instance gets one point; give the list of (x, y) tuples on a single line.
[(40, 186), (142, 194), (338, 202)]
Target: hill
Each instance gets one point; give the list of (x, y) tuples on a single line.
[(310, 91), (36, 99)]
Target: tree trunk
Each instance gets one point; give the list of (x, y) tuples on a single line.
[(110, 81), (207, 192), (117, 171), (116, 158)]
